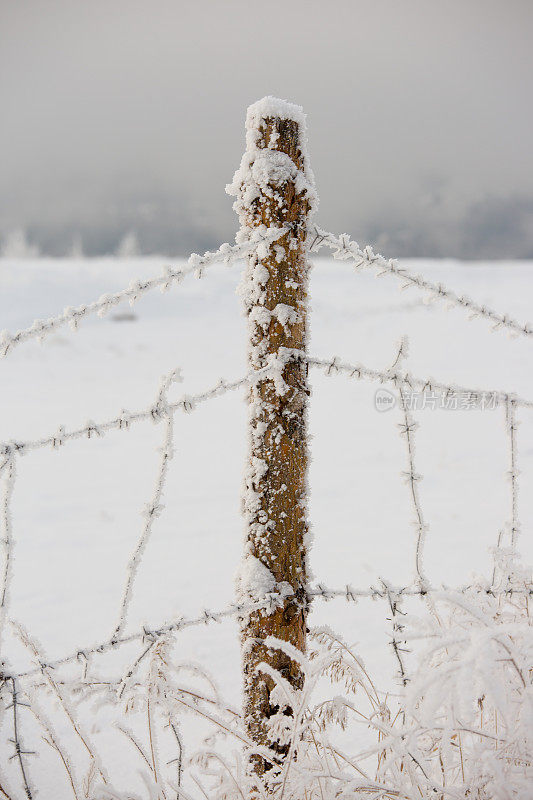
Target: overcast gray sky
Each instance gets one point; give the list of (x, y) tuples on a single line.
[(129, 114)]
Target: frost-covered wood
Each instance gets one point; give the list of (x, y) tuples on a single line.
[(275, 189)]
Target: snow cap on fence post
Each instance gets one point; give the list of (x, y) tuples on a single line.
[(274, 188)]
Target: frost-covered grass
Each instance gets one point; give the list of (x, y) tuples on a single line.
[(77, 512)]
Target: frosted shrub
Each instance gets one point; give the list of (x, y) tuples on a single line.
[(462, 727), (469, 706)]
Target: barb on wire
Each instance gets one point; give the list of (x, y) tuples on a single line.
[(403, 351), (344, 248), (6, 523), (394, 600), (153, 508), (196, 264)]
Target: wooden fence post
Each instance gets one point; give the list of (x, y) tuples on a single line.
[(274, 188)]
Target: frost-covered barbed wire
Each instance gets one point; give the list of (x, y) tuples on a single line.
[(511, 424), (153, 508), (161, 408), (462, 727), (413, 761), (345, 249), (154, 412), (394, 601), (383, 590), (7, 472), (331, 366), (394, 598), (402, 752), (123, 421), (412, 477), (227, 253), (148, 634)]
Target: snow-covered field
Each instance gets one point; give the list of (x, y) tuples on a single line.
[(77, 511)]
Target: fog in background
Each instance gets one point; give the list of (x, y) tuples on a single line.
[(128, 115)]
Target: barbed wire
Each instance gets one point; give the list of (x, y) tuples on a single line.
[(123, 421), (396, 377), (511, 424), (384, 590), (188, 403), (155, 412), (147, 634), (226, 253), (344, 248), (407, 429), (153, 508), (162, 409), (8, 482), (396, 639)]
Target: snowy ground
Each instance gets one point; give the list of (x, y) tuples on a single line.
[(76, 512)]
